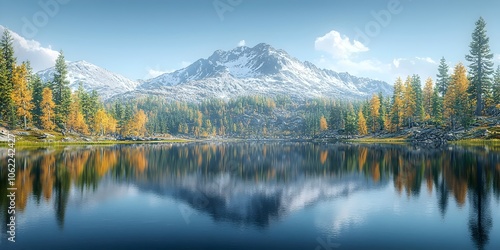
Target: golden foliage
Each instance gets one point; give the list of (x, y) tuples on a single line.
[(48, 105), (362, 129)]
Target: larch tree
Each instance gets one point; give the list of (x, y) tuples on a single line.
[(21, 95), (48, 106), (456, 103), (362, 128), (443, 77), (481, 66), (397, 110), (427, 98), (100, 122), (409, 100), (323, 125), (76, 121), (375, 112)]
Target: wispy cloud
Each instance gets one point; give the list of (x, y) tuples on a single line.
[(30, 50)]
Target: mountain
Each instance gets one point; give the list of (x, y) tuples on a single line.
[(261, 70), (92, 77)]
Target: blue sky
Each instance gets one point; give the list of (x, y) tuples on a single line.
[(140, 39)]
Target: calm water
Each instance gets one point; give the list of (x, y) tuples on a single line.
[(254, 196)]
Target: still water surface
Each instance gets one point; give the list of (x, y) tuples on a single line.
[(254, 196)]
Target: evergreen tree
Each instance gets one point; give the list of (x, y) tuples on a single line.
[(416, 85), (60, 91), (350, 121), (397, 110), (7, 64), (481, 66), (8, 53), (443, 78), (437, 107), (37, 89), (496, 86)]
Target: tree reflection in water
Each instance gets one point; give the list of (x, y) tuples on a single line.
[(196, 170)]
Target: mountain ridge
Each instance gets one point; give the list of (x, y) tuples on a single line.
[(261, 70)]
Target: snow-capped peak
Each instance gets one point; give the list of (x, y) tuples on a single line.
[(92, 77)]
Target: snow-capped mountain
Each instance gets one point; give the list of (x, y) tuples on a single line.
[(261, 70), (92, 77)]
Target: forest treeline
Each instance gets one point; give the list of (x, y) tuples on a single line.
[(451, 101)]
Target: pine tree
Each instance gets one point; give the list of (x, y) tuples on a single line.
[(350, 121), (48, 106), (443, 78), (496, 87), (37, 89), (416, 85), (437, 107), (60, 91), (7, 64), (21, 94), (481, 66), (427, 98), (362, 129), (375, 112)]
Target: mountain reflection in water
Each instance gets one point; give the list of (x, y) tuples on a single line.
[(255, 184)]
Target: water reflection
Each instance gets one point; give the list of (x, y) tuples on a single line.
[(254, 184)]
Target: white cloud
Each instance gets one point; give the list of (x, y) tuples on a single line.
[(242, 43), (157, 71), (185, 64), (152, 73), (339, 46), (39, 56)]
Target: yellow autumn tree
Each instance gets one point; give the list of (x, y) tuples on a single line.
[(375, 111), (456, 102), (397, 110), (137, 125), (76, 120), (21, 94), (362, 128), (323, 125), (47, 105), (111, 125), (427, 96), (409, 101), (101, 122)]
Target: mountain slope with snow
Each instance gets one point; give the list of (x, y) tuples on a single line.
[(92, 77), (261, 70)]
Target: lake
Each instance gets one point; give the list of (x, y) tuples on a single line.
[(253, 195)]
